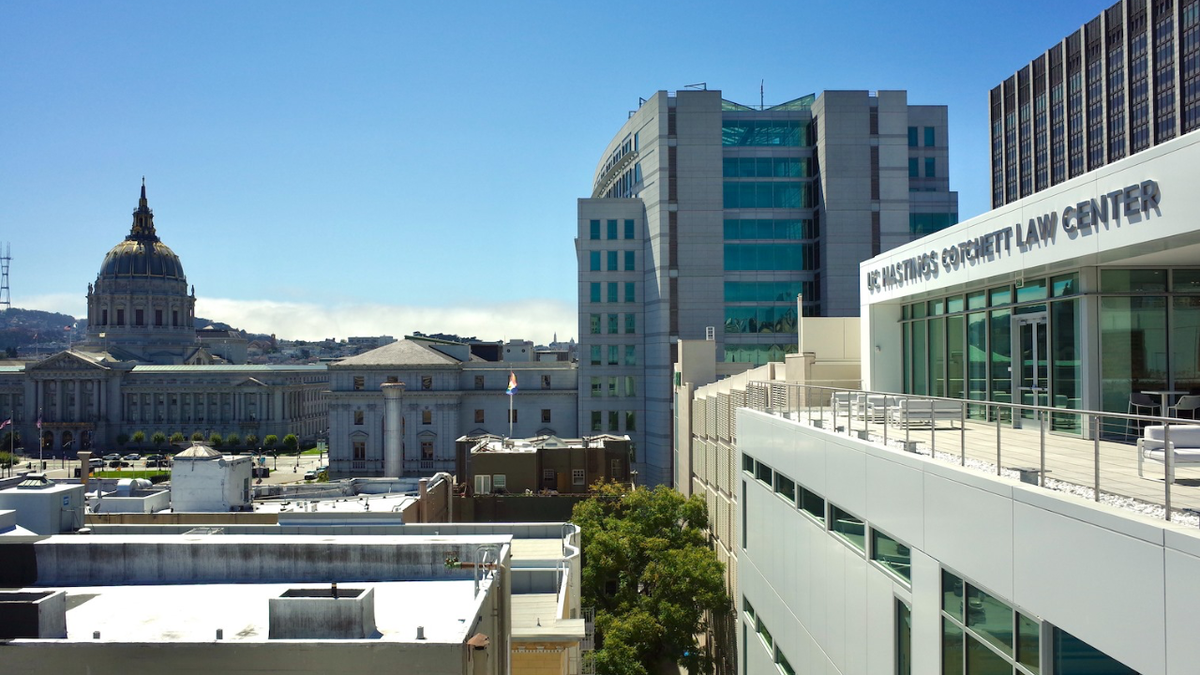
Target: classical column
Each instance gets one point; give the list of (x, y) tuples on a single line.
[(393, 459)]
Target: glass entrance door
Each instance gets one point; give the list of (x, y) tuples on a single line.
[(1031, 378)]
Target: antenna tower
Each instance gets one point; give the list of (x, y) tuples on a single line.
[(5, 258)]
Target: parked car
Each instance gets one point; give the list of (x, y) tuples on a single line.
[(132, 457), (153, 457), (111, 456), (310, 475), (117, 463), (96, 463)]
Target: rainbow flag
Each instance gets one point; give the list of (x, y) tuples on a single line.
[(512, 383)]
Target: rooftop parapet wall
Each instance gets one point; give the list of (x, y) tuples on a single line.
[(99, 561)]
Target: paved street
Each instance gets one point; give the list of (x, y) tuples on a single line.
[(290, 470)]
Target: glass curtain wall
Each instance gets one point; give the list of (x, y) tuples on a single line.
[(961, 346)]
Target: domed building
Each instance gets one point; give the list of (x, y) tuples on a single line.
[(145, 367), (140, 302)]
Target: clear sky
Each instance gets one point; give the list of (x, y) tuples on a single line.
[(357, 168)]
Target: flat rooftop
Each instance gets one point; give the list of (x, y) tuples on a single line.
[(193, 613)]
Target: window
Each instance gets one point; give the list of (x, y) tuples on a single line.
[(903, 638), (597, 387), (360, 450), (595, 323), (479, 382), (545, 415), (577, 477), (786, 487), (763, 473), (984, 634), (359, 383), (849, 527), (629, 261), (929, 137), (104, 317), (545, 382), (630, 323), (392, 379), (912, 137), (614, 470), (595, 420), (630, 386), (913, 168), (614, 352), (512, 415), (596, 358), (611, 226), (120, 317), (931, 167), (426, 417), (358, 418), (479, 416), (500, 481), (594, 292), (629, 229), (630, 295), (612, 261), (594, 261), (426, 382), (630, 420), (158, 318), (174, 317), (614, 420), (612, 292), (891, 554), (548, 475), (593, 229), (613, 324), (781, 662), (427, 450), (630, 355), (764, 634), (612, 386), (138, 316)]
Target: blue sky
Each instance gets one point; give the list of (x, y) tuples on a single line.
[(355, 168)]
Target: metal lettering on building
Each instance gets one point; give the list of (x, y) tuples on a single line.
[(1130, 204)]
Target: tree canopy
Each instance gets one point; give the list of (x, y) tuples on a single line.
[(648, 571)]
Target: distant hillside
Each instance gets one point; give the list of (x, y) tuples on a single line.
[(27, 326)]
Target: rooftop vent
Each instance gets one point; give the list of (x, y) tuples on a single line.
[(35, 481), (36, 614), (323, 614)]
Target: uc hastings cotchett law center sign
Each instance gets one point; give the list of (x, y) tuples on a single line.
[(1148, 203)]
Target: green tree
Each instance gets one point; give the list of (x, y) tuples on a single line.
[(138, 437), (198, 437), (177, 437), (233, 440), (158, 439), (251, 441), (215, 440), (122, 439), (291, 442), (270, 441), (648, 571)]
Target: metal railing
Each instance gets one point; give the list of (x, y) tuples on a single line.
[(1076, 446)]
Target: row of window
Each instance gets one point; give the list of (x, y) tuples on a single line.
[(981, 633), (360, 381), (766, 167), (611, 258), (617, 386), (885, 551), (139, 317), (613, 294), (614, 355), (774, 195), (770, 291), (787, 133), (772, 257), (914, 164), (921, 224), (1031, 290), (779, 228), (610, 229), (513, 415), (779, 319), (614, 420), (760, 354), (914, 134), (613, 323), (752, 619)]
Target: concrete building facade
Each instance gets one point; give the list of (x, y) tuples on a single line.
[(708, 215)]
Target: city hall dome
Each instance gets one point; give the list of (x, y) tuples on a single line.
[(142, 254)]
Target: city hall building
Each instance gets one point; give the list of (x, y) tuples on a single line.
[(1076, 297)]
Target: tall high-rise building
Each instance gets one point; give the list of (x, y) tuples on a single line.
[(708, 217), (1127, 80)]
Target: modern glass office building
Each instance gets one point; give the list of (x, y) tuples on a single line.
[(1076, 298), (709, 215), (1125, 81)]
